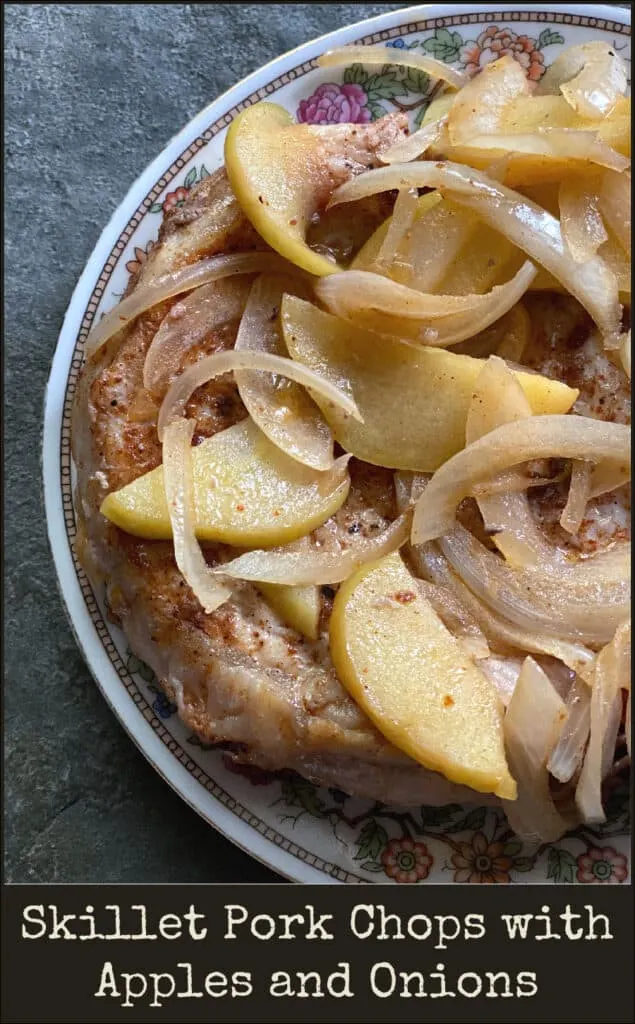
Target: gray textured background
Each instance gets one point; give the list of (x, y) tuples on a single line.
[(93, 93)]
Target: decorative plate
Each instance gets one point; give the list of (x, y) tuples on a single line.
[(306, 833)]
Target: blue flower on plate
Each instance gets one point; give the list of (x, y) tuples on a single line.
[(164, 707), (398, 43)]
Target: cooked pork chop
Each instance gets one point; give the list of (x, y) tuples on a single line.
[(240, 676)]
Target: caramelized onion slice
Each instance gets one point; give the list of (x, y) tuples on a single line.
[(458, 327), (563, 143), (177, 282), (513, 480), (401, 269), (282, 409), (387, 307), (216, 365), (415, 145), (619, 262), (615, 206), (533, 723), (549, 437), (566, 757), (356, 291), (401, 221), (498, 398), (584, 602), (507, 338), (438, 242), (583, 230), (372, 55), (579, 494), (522, 221), (504, 673), (612, 674), (439, 108), (188, 323), (590, 76), (499, 630), (301, 565), (625, 354), (179, 492)]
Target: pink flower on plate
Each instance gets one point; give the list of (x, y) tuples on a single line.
[(497, 42), (602, 865), (406, 861), (335, 104)]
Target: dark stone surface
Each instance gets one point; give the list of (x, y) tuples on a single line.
[(93, 93)]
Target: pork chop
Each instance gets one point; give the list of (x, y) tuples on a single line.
[(240, 676)]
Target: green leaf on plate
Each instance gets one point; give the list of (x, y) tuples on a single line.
[(384, 87), (443, 45), (190, 178), (561, 865), (376, 110), (355, 75), (524, 864), (371, 841), (417, 81), (549, 38), (299, 792), (513, 848)]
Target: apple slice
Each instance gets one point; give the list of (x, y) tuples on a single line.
[(527, 115), (415, 681), (247, 492), (283, 173), (271, 165), (414, 401), (298, 606)]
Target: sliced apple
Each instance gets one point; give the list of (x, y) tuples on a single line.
[(284, 173), (479, 108), (439, 108), (298, 606), (528, 114), (247, 493), (415, 681), (271, 164), (414, 401)]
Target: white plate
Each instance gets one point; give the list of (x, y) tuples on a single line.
[(306, 834)]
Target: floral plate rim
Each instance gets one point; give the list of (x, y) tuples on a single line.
[(91, 633)]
